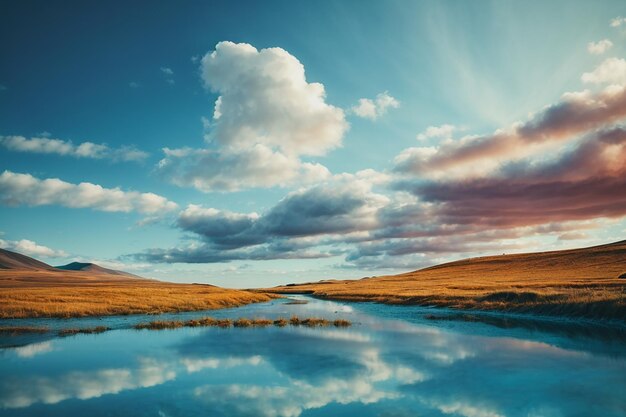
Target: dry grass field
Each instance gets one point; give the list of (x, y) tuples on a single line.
[(572, 283), (52, 293)]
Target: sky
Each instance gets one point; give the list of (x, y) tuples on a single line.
[(249, 144)]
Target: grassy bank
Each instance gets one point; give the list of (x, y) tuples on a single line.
[(104, 299), (571, 283)]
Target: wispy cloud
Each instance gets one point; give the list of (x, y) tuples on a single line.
[(25, 190), (611, 70), (575, 114), (31, 248), (374, 108), (46, 145), (600, 47), (169, 75), (443, 131)]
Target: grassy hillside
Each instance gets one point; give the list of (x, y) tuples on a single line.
[(29, 288), (576, 283)]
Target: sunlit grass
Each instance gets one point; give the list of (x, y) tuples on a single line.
[(19, 300), (574, 283)]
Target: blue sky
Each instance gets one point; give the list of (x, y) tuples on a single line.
[(130, 79)]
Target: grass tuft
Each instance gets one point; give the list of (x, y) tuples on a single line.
[(159, 325), (315, 322), (281, 322), (15, 330), (342, 323), (88, 330), (241, 323)]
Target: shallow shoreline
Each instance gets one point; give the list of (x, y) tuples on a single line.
[(530, 312)]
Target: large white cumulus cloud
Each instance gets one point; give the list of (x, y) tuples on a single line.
[(266, 117), (265, 98)]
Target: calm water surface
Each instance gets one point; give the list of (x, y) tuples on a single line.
[(393, 362)]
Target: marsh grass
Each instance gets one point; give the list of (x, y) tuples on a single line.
[(242, 323), (88, 330), (160, 325), (281, 322), (315, 322), (16, 330)]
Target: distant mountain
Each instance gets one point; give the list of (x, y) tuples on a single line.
[(93, 268), (14, 260)]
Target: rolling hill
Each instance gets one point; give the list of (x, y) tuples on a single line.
[(14, 260), (31, 288), (93, 269), (578, 282)]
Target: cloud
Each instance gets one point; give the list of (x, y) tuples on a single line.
[(373, 109), (206, 254), (443, 131), (299, 221), (91, 150), (438, 217), (196, 365), (266, 117), (28, 247), (20, 392), (561, 171), (473, 156), (24, 189), (618, 21), (585, 182), (265, 99), (600, 47), (258, 166), (169, 75), (610, 71), (133, 84), (33, 349)]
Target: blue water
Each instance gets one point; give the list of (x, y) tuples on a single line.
[(393, 362)]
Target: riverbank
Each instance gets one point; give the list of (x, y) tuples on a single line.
[(570, 283), (122, 298)]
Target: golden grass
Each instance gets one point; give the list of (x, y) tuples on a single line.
[(49, 294), (575, 283), (241, 323)]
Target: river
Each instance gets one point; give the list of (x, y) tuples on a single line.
[(394, 361)]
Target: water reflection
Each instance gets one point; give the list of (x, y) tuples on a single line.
[(380, 367), (33, 349), (22, 391)]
